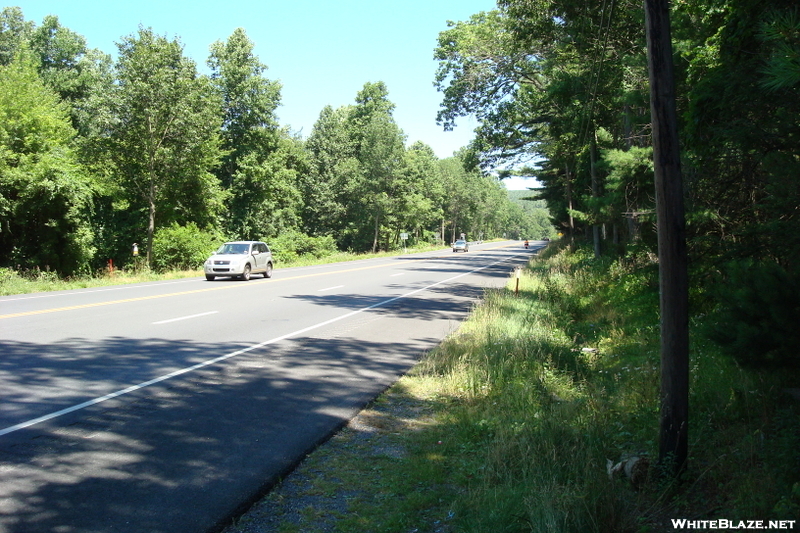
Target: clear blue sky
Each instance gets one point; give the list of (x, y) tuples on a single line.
[(322, 51)]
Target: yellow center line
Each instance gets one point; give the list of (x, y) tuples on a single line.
[(207, 289)]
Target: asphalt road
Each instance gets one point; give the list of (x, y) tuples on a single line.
[(170, 406)]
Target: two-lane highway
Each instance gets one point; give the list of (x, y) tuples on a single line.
[(168, 406)]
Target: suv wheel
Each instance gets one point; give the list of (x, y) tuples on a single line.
[(268, 271), (246, 272)]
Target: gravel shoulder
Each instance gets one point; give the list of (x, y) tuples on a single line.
[(349, 477)]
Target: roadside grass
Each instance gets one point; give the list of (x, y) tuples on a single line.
[(31, 281), (510, 424), (14, 282)]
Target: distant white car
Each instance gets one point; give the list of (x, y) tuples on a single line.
[(239, 259), (461, 245)]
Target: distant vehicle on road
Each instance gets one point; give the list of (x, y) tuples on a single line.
[(461, 245), (240, 259)]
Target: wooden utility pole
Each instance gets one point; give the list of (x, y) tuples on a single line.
[(672, 257)]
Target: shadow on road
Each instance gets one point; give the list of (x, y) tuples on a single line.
[(184, 454)]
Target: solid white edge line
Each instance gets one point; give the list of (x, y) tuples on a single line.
[(221, 358), (185, 317)]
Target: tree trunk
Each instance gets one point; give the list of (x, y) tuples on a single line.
[(377, 230), (627, 128), (151, 222), (672, 257), (568, 187), (595, 193)]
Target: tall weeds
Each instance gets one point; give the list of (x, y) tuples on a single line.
[(543, 389)]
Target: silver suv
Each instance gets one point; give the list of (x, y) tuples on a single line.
[(461, 244), (239, 259)]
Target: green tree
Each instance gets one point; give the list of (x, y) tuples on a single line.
[(71, 69), (15, 31), (741, 132), (45, 195), (164, 134), (249, 101), (332, 161), (545, 79), (264, 197), (357, 167), (471, 200), (261, 166), (422, 191), (378, 144), (381, 157)]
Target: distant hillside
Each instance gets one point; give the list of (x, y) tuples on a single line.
[(533, 220), (528, 205)]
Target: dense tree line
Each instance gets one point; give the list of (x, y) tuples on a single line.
[(97, 154), (561, 91)]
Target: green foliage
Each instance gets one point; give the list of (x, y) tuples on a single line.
[(186, 247), (261, 163), (781, 32), (15, 31), (378, 148), (477, 63), (629, 179), (741, 138), (422, 192), (758, 314), (474, 203), (249, 100), (549, 83), (263, 198), (289, 246), (164, 137), (331, 162), (71, 69), (45, 195)]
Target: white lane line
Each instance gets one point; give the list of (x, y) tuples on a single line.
[(331, 288), (185, 317), (198, 366), (398, 274)]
